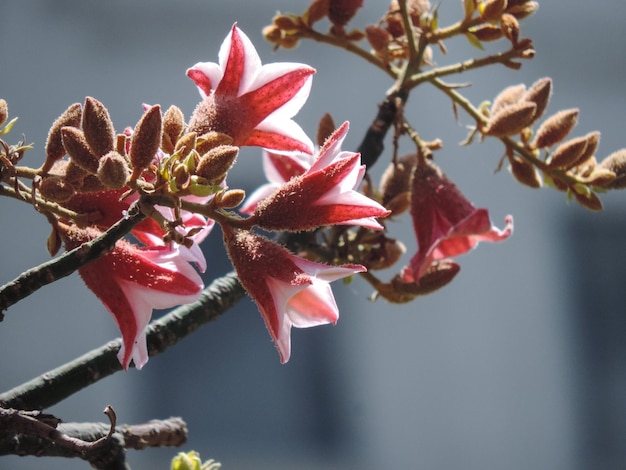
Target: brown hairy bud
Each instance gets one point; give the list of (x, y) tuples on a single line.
[(539, 93), (74, 173), (216, 162), (173, 125), (521, 9), (511, 120), (91, 183), (4, 111), (486, 32), (232, 198), (145, 141), (510, 27), (616, 162), (325, 128), (98, 127), (286, 22), (386, 254), (54, 145), (601, 177), (113, 170), (318, 9), (593, 140), (589, 200), (79, 150), (272, 34), (568, 153), (510, 95), (378, 37), (554, 129), (493, 9), (525, 172), (211, 140), (56, 189), (396, 181), (342, 11), (186, 144)]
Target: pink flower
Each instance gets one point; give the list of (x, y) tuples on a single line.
[(289, 290), (252, 103), (445, 222), (131, 282), (325, 194)]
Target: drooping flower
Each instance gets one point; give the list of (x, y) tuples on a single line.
[(325, 194), (445, 222), (290, 291), (250, 102), (131, 281)]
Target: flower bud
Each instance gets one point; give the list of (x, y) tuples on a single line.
[(593, 139), (616, 162), (173, 125), (486, 32), (601, 177), (54, 145), (186, 461), (511, 120), (510, 95), (145, 141), (216, 162), (521, 9), (318, 9), (567, 154), (73, 173), (78, 149), (510, 27), (342, 11), (272, 34), (325, 128), (525, 172), (539, 93), (396, 181), (378, 37), (56, 189), (113, 170), (555, 128), (98, 127), (232, 198), (211, 140), (492, 10), (185, 144), (588, 200), (4, 111)]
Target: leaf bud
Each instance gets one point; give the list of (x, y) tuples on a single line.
[(98, 127), (616, 162), (56, 189), (567, 154), (54, 145), (511, 120), (145, 141), (539, 93), (173, 125), (113, 170), (4, 111), (78, 149), (214, 164), (555, 128), (525, 172)]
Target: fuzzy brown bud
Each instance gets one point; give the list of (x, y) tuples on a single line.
[(232, 198), (567, 154), (486, 32), (593, 140), (318, 9), (211, 140), (616, 162), (396, 182), (554, 129), (539, 93), (325, 128), (113, 170), (56, 189), (342, 11), (601, 177), (186, 144), (272, 34), (511, 119), (73, 173), (78, 149), (510, 95), (525, 172), (4, 111), (216, 162), (492, 10), (510, 27), (54, 145), (145, 141), (521, 9), (378, 37), (98, 127), (589, 200), (173, 125)]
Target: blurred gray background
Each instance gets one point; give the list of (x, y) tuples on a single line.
[(520, 363)]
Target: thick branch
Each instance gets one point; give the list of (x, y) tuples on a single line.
[(56, 385)]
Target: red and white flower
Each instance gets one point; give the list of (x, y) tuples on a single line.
[(251, 102)]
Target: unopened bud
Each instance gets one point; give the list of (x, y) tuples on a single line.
[(385, 255), (78, 149), (342, 11), (145, 141), (492, 10), (601, 177), (91, 183), (4, 111), (486, 32), (318, 9), (211, 140), (286, 22), (616, 162), (98, 127), (173, 125), (525, 172), (567, 154), (554, 129), (272, 34), (73, 173), (539, 93), (232, 198), (216, 162), (54, 145), (396, 182), (593, 140), (113, 170), (511, 120), (522, 9), (588, 200), (325, 128), (510, 95), (56, 189), (185, 144), (510, 27)]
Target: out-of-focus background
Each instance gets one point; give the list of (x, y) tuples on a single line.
[(519, 363)]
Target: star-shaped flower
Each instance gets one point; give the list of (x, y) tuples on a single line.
[(252, 103)]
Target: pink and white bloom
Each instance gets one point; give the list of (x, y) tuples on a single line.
[(445, 222), (131, 281), (323, 195), (251, 102), (290, 291)]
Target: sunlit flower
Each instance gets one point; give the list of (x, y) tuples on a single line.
[(325, 194), (131, 281), (252, 103), (289, 290), (445, 222)]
